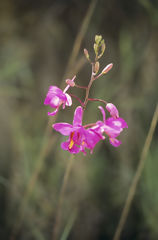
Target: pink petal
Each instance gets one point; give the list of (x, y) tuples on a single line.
[(116, 123), (63, 128), (73, 150), (112, 132), (78, 116), (69, 100), (115, 142), (103, 112), (112, 110), (55, 101), (54, 95), (47, 100), (53, 113), (55, 91)]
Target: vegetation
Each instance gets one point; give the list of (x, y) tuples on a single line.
[(42, 44)]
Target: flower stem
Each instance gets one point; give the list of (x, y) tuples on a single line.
[(89, 86), (96, 99), (78, 86), (137, 176), (72, 95)]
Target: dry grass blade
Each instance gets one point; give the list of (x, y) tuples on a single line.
[(137, 176), (80, 36), (44, 151), (61, 198)]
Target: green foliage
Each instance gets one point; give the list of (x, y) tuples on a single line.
[(36, 42)]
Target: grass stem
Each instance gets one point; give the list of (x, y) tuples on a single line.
[(137, 176), (57, 223)]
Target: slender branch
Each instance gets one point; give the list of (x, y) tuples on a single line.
[(96, 99), (89, 86), (78, 86), (72, 95), (137, 176)]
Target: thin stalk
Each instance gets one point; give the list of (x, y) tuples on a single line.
[(78, 86), (137, 176), (96, 99), (57, 223), (89, 86), (78, 99)]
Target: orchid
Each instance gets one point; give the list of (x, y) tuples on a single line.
[(56, 97), (85, 137), (79, 137), (111, 126)]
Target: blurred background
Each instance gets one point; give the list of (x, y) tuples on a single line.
[(41, 44)]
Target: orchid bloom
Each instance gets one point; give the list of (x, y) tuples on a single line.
[(56, 97), (111, 126), (79, 137)]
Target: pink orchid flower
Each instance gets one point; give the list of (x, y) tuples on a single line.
[(56, 97), (79, 137), (111, 126)]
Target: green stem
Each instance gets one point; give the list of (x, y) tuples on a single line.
[(89, 86)]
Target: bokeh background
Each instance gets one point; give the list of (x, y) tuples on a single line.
[(41, 44)]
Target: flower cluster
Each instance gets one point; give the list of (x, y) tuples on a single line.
[(82, 137)]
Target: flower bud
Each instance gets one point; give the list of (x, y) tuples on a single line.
[(86, 53), (96, 67), (95, 49), (103, 47), (70, 82), (107, 68), (98, 38)]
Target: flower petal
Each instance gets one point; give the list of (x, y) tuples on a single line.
[(55, 90), (64, 128), (73, 150), (78, 116), (55, 101), (53, 113), (55, 97), (112, 132), (69, 100), (103, 112), (115, 142), (116, 123), (112, 110)]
